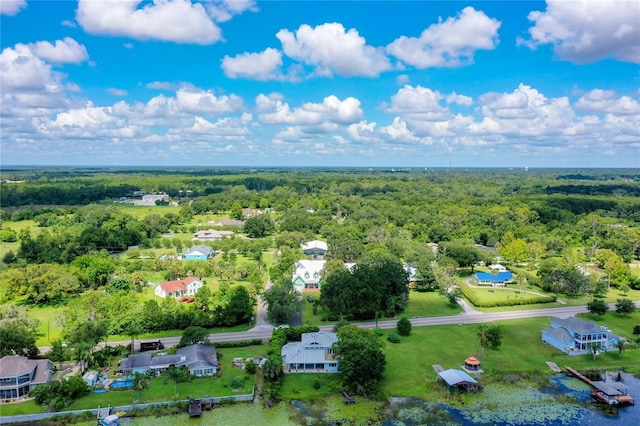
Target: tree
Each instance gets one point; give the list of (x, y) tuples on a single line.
[(466, 255), (594, 347), (636, 333), (281, 304), (494, 336), (236, 211), (625, 307), (18, 332), (140, 382), (361, 359), (482, 331), (404, 326), (176, 375), (239, 308), (133, 330), (597, 307), (192, 335), (620, 347), (58, 352), (258, 226)]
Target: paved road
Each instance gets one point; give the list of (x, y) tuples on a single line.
[(468, 317)]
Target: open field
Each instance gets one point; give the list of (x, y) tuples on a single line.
[(300, 386)]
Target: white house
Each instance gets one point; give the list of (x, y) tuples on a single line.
[(178, 288), (308, 274), (315, 248), (313, 354)]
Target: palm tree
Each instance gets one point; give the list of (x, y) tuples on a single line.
[(133, 330), (620, 346), (83, 353), (594, 346), (140, 382), (481, 331), (174, 374)]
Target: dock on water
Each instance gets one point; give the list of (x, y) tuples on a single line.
[(611, 394), (554, 367)]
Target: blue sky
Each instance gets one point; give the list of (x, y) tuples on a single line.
[(303, 83)]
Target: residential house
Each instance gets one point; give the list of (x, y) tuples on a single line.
[(494, 279), (251, 212), (412, 274), (211, 235), (307, 274), (19, 375), (201, 360), (315, 248), (496, 267), (199, 252), (433, 247), (178, 288), (231, 222), (312, 355), (575, 336)]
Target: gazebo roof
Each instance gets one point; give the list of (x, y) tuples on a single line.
[(472, 360)]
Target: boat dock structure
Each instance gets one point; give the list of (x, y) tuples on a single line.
[(609, 393)]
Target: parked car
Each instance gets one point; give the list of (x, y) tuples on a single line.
[(310, 298), (605, 328), (282, 326)]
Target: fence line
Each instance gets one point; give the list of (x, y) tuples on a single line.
[(7, 420)]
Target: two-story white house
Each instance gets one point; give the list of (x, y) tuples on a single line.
[(313, 354), (307, 274)]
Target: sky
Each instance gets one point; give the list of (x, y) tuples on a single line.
[(248, 83)]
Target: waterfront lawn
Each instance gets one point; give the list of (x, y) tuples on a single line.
[(300, 386), (19, 408), (409, 369)]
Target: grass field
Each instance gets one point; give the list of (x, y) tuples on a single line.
[(300, 386)]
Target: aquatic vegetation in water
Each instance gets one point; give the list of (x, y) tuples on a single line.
[(425, 414), (523, 406), (363, 413)]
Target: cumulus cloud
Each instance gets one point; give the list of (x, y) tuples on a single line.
[(160, 85), (22, 70), (449, 43), (258, 66), (332, 50), (607, 101), (179, 21), (585, 31), (198, 101), (11, 7), (331, 110), (61, 51)]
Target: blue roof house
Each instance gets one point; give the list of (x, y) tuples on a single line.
[(314, 354), (200, 252), (487, 278), (574, 336)]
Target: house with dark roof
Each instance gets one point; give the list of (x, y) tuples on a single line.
[(311, 355), (19, 375), (211, 235), (201, 360), (575, 336), (199, 252), (178, 288)]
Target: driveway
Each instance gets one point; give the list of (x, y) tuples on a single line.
[(262, 320)]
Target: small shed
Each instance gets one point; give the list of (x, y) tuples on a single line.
[(472, 363), (459, 379), (91, 378)]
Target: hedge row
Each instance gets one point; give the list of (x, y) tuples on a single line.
[(238, 344), (475, 299)]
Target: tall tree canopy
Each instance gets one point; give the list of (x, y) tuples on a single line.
[(361, 359)]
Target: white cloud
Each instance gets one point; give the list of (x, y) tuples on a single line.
[(61, 51), (179, 21), (22, 70), (584, 31), (11, 7), (362, 131), (224, 10), (607, 101), (128, 45), (198, 101), (225, 127), (331, 110), (454, 98), (258, 66), (449, 43), (117, 92), (398, 131), (330, 49), (67, 23)]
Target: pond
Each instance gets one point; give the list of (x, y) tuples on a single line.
[(565, 401)]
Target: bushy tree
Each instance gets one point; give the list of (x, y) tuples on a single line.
[(361, 359), (192, 335), (259, 226), (625, 307), (495, 333), (597, 307), (404, 326)]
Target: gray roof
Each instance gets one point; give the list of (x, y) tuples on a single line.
[(201, 249), (193, 356), (308, 350), (577, 325), (453, 377), (559, 333)]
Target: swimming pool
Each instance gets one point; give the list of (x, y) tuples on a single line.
[(121, 384)]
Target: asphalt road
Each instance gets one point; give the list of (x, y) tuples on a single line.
[(264, 331)]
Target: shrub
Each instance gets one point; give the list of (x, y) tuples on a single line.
[(378, 331), (250, 367), (404, 326), (316, 383), (393, 337)]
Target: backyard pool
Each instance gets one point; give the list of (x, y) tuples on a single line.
[(121, 384)]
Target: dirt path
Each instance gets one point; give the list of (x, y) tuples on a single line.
[(262, 321)]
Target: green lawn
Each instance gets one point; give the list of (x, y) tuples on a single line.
[(17, 227), (300, 386), (409, 369)]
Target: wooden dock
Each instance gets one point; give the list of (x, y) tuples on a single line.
[(610, 394)]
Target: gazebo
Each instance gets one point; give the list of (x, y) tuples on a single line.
[(472, 364)]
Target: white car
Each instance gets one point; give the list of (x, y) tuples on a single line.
[(605, 328)]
